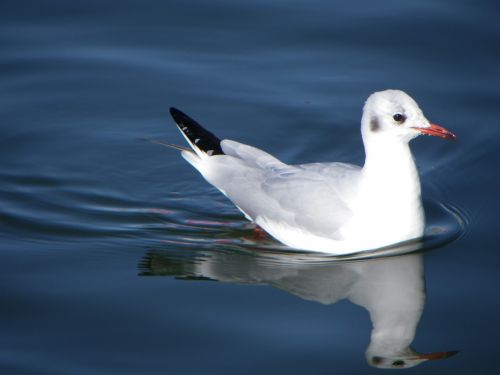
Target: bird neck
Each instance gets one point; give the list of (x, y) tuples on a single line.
[(393, 292), (388, 154), (389, 164), (389, 204), (393, 334)]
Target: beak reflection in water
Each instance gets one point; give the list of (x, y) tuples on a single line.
[(390, 288)]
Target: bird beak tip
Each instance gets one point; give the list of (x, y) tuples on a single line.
[(437, 131)]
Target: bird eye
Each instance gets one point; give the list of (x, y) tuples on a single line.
[(399, 118), (398, 363)]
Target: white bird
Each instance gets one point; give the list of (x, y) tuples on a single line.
[(334, 208), (391, 289)]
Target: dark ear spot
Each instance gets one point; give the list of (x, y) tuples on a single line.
[(377, 360), (374, 125)]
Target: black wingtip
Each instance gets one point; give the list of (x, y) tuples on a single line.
[(176, 114), (198, 136)]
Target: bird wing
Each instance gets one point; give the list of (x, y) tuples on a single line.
[(251, 155), (317, 195), (313, 198)]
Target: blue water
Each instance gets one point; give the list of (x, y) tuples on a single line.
[(90, 210)]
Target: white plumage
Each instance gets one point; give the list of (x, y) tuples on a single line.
[(334, 208)]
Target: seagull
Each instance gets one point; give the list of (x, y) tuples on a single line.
[(391, 289), (332, 207)]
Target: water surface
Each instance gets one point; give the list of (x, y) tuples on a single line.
[(89, 210)]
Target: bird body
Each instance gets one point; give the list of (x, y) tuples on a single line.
[(391, 289), (334, 208)]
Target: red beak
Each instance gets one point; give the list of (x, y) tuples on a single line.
[(437, 131), (437, 355)]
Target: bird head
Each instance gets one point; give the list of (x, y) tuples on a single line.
[(406, 359), (393, 114)]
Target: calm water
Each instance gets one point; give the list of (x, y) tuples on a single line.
[(90, 210)]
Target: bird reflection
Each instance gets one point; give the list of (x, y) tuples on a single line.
[(390, 288)]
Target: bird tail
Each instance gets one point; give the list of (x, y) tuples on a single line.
[(203, 142), (170, 145)]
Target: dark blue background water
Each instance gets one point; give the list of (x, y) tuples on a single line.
[(89, 209)]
